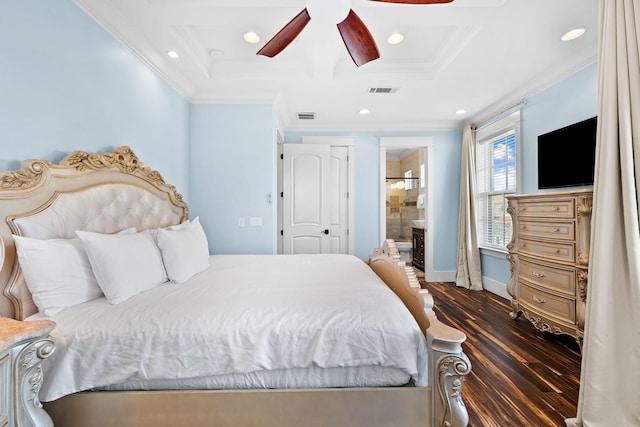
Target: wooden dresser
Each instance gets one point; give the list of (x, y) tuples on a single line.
[(418, 248), (549, 258), (23, 346)]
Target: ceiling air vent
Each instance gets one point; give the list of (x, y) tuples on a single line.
[(383, 89), (306, 116)]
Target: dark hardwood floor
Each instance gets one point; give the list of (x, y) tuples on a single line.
[(519, 376)]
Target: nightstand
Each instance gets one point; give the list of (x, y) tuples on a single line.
[(23, 346)]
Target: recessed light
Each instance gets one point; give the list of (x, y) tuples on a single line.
[(364, 112), (573, 34), (173, 54), (461, 111), (395, 38), (251, 37)]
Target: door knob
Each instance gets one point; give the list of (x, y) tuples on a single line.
[(325, 231)]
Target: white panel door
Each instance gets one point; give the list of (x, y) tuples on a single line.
[(306, 205)]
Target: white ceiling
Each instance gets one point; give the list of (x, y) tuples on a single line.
[(478, 55)]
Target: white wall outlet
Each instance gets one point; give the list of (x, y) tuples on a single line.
[(240, 221), (255, 221)]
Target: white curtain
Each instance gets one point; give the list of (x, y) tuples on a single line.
[(610, 376), (468, 273)]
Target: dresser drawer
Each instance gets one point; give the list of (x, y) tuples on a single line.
[(557, 208), (562, 230), (558, 250), (547, 304), (555, 277)]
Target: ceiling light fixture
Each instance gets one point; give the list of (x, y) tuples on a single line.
[(395, 38), (461, 111), (328, 12), (364, 112), (173, 54), (251, 37), (573, 34)]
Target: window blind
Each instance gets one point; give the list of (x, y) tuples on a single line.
[(496, 177)]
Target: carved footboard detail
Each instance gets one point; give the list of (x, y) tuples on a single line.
[(452, 370), (449, 367), (28, 380)]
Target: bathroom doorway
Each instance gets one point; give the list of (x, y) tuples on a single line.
[(405, 197)]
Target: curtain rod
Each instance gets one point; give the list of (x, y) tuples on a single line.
[(504, 110), (401, 177)]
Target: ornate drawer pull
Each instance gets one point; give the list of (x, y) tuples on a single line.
[(538, 300), (535, 273), (555, 208), (556, 230), (557, 251)]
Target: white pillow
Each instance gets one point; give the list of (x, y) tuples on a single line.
[(185, 250), (183, 225), (154, 231), (124, 264), (57, 272)]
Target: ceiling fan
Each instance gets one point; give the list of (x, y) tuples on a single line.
[(357, 38)]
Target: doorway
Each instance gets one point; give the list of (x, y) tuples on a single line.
[(406, 195), (404, 192)]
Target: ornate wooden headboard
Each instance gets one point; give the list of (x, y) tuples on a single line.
[(86, 191)]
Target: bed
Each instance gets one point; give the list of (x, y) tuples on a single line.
[(224, 340)]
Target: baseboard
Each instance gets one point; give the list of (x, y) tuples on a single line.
[(440, 276), (495, 287), (488, 284)]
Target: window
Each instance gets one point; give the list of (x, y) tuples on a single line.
[(496, 172), (408, 180)]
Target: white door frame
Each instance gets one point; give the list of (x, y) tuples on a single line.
[(421, 142)]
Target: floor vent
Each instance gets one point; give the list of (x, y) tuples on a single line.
[(383, 89), (306, 116)]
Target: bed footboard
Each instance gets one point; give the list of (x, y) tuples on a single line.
[(371, 407), (449, 367), (23, 347), (448, 364)]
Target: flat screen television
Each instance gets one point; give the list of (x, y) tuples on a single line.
[(566, 156)]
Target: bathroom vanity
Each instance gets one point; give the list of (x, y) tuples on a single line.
[(418, 248)]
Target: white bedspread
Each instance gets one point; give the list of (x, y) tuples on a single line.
[(308, 317)]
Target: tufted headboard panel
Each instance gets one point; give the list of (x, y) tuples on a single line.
[(105, 208), (104, 193)]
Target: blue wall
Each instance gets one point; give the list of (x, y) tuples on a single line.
[(233, 171), (571, 100), (366, 164), (66, 84)]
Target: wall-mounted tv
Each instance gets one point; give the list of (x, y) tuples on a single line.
[(566, 156)]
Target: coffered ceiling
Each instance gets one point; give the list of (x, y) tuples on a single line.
[(476, 55)]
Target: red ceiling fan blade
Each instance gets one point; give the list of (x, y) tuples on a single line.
[(415, 1), (286, 35), (358, 40)]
